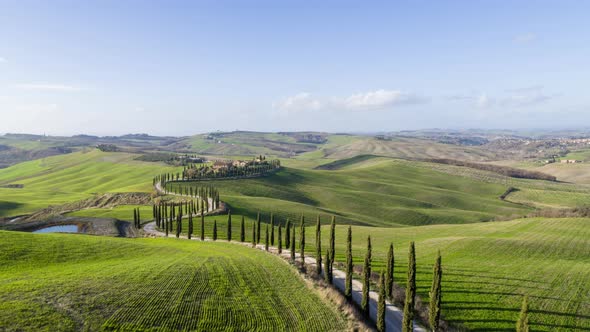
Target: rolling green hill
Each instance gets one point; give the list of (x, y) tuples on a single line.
[(58, 282), (489, 266), (387, 192), (71, 177)]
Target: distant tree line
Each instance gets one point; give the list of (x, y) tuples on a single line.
[(108, 147), (171, 158)]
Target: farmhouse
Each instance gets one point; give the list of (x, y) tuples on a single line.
[(239, 163), (219, 164)]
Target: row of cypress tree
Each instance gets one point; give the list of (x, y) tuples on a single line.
[(386, 278)]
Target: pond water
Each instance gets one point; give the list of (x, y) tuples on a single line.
[(58, 229)]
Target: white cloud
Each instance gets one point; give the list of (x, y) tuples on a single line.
[(49, 87), (380, 99), (2, 59), (300, 102), (524, 38), (373, 100)]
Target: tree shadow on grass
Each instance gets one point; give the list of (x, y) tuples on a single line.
[(6, 207)]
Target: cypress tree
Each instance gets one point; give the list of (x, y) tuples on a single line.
[(214, 230), (318, 246), (258, 228), (408, 321), (229, 225), (435, 295), (389, 272), (381, 304), (349, 266), (327, 272), (272, 230), (280, 239), (522, 325), (178, 225), (253, 234), (288, 234), (302, 241), (366, 279), (135, 217), (138, 219), (242, 230), (202, 226), (266, 239), (190, 225), (332, 242), (166, 226), (293, 244)]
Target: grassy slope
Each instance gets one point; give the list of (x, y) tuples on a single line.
[(540, 194), (67, 282), (245, 144), (487, 266), (72, 177), (385, 193), (402, 147)]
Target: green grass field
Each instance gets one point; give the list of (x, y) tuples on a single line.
[(386, 192), (487, 267), (72, 177), (55, 282)]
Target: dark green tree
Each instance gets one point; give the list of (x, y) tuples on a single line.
[(178, 225), (190, 225), (214, 230), (318, 246), (381, 305), (293, 244), (366, 279), (272, 230), (253, 234), (349, 266), (522, 325), (202, 226), (389, 272), (242, 230), (408, 320), (435, 295), (135, 217), (328, 277), (258, 228), (302, 241), (288, 234), (266, 239), (280, 239), (332, 243), (229, 225)]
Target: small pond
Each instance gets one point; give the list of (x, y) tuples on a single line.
[(58, 229)]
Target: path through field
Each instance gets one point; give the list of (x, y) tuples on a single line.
[(393, 314)]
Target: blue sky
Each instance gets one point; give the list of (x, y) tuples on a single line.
[(178, 68)]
